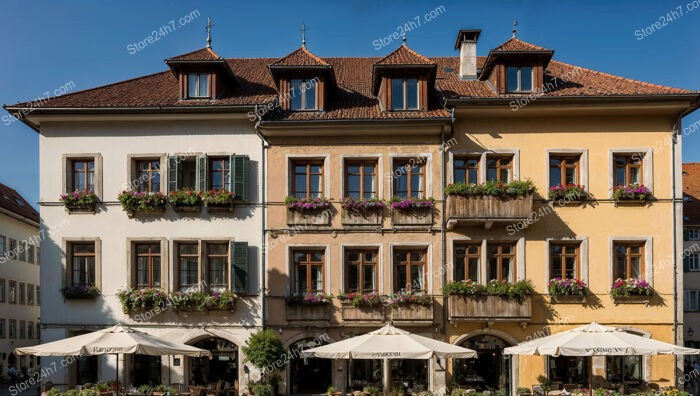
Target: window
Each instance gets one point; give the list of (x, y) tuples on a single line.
[(219, 173), (38, 331), (2, 328), (466, 170), (623, 368), (564, 260), (501, 261), (217, 266), (361, 179), (147, 265), (198, 85), (38, 295), (308, 271), (30, 330), (12, 331), (188, 263), (691, 300), (13, 248), (22, 329), (2, 244), (82, 264), (629, 260), (628, 169), (519, 79), (499, 168), (30, 294), (563, 170), (2, 291), (12, 289), (569, 369), (361, 270), (691, 262), (148, 177), (409, 179), (186, 173), (22, 293), (404, 94), (307, 179), (22, 253), (30, 254), (409, 268), (303, 94), (82, 175), (692, 234), (467, 261)]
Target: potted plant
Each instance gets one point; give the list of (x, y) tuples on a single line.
[(218, 200), (306, 205), (464, 288), (262, 390), (631, 193), (523, 391), (567, 193), (412, 211), (185, 200), (631, 290), (362, 211), (142, 299), (80, 292), (332, 392), (103, 388), (161, 390), (79, 201), (309, 299), (145, 390), (141, 202), (265, 351), (371, 390), (567, 289)]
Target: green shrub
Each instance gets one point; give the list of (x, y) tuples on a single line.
[(516, 188), (262, 390)]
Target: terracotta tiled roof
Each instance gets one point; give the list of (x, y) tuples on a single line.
[(404, 56), (300, 57), (15, 203), (691, 193), (204, 54), (515, 44)]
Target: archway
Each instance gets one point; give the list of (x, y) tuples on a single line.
[(490, 371), (309, 375), (222, 367)]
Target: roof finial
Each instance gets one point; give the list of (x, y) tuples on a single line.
[(208, 29), (404, 38), (515, 27), (303, 34)]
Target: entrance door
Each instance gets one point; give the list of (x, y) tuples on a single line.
[(222, 367), (309, 375), (490, 371)]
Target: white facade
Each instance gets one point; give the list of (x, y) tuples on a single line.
[(115, 144)]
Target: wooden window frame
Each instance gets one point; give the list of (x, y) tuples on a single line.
[(72, 254), (85, 173), (10, 298), (408, 263), (638, 164), (309, 264), (22, 293), (500, 256), (404, 93), (3, 290), (466, 168), (210, 171), (303, 82), (407, 166), (563, 166), (519, 78), (179, 255), (499, 167), (465, 258), (150, 171), (198, 74), (628, 257), (10, 327), (361, 264), (22, 327), (576, 246), (308, 163), (30, 292), (150, 255), (207, 262), (362, 164)]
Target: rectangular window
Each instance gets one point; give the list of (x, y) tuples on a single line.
[(22, 292), (361, 270), (691, 300), (501, 260), (404, 94), (30, 330), (692, 262), (217, 266), (467, 261), (564, 260), (623, 368), (499, 168), (303, 94), (198, 85), (466, 170), (307, 179), (22, 329), (30, 254), (219, 173), (188, 264), (628, 169), (3, 291), (569, 369), (12, 292), (308, 271), (13, 248), (148, 177), (629, 260), (82, 264), (83, 174), (563, 170), (38, 331), (519, 79), (410, 269), (2, 328), (409, 179), (147, 265), (2, 245), (12, 328), (22, 252), (38, 295), (692, 234), (361, 179), (30, 294)]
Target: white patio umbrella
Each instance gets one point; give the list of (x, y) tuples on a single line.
[(388, 343), (113, 340), (596, 340)]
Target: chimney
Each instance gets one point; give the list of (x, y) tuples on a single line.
[(466, 42)]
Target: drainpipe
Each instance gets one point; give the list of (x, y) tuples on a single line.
[(263, 172), (443, 229)]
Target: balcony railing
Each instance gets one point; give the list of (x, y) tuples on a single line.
[(302, 312), (312, 218), (489, 309), (412, 313), (486, 210)]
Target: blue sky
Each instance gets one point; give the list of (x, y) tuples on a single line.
[(48, 44)]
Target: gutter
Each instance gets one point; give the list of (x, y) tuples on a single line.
[(19, 217), (573, 99)]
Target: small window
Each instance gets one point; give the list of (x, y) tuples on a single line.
[(501, 261), (147, 265), (563, 170), (198, 85), (38, 295), (22, 329), (83, 175), (2, 328), (409, 179), (217, 266), (619, 369), (628, 169), (499, 168), (30, 254), (148, 176), (303, 94), (361, 179), (13, 328), (13, 247), (519, 79), (404, 94), (467, 261), (12, 292), (691, 300), (30, 294), (692, 262), (564, 260), (3, 290), (82, 264), (361, 270), (629, 260), (308, 271), (219, 173), (2, 245), (22, 293), (466, 170), (307, 179), (30, 330), (692, 234), (22, 253), (409, 269), (188, 264)]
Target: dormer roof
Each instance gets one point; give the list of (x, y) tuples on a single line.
[(515, 49), (402, 58), (301, 60), (205, 57)]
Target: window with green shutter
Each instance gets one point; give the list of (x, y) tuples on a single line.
[(202, 172), (240, 179), (240, 267)]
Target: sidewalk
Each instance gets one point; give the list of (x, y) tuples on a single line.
[(31, 391)]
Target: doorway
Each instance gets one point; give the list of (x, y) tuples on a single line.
[(490, 371), (309, 375), (222, 367)]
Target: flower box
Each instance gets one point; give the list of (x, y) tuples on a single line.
[(407, 217), (566, 194), (567, 290), (185, 200), (568, 298), (218, 201), (79, 201), (631, 299), (370, 217), (314, 218), (308, 312), (489, 309), (80, 292), (631, 288), (413, 312), (187, 209), (488, 208), (88, 208), (368, 314), (135, 202), (213, 208), (631, 194)]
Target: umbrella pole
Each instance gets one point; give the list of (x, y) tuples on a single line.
[(590, 377), (387, 376)]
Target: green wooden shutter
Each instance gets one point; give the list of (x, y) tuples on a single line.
[(686, 263), (240, 175), (173, 173), (229, 178), (202, 172), (239, 267)]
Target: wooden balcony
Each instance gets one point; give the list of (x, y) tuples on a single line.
[(373, 314), (308, 313), (486, 210), (314, 218), (371, 217), (414, 314), (412, 217), (489, 309)]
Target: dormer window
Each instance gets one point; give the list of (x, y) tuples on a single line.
[(519, 79), (404, 94), (198, 85), (303, 94)]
